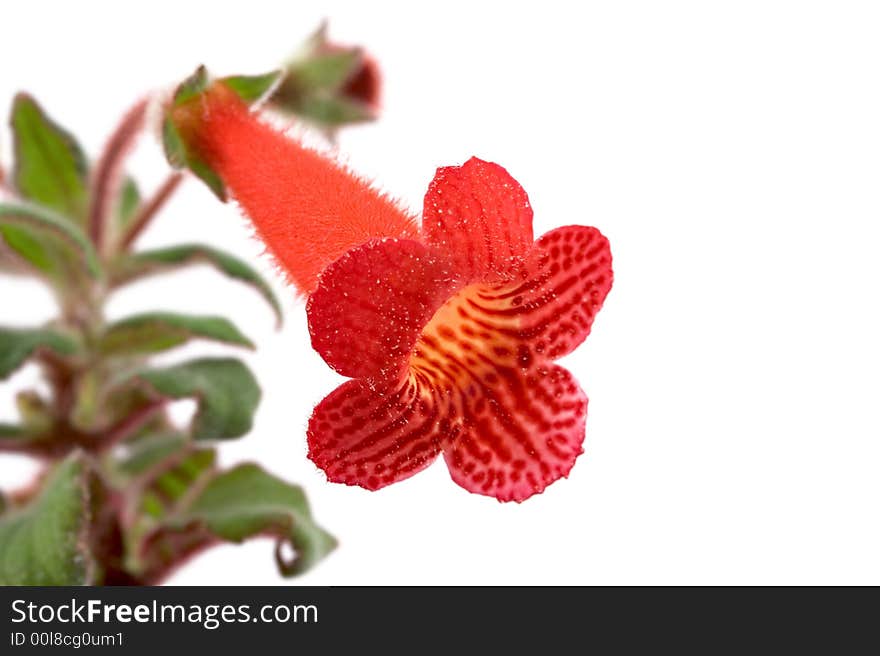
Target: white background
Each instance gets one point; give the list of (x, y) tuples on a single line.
[(731, 153)]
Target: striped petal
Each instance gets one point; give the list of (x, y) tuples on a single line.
[(480, 217), (371, 304), (564, 282), (522, 417), (521, 432), (360, 435)]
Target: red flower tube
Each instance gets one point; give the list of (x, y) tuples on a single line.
[(449, 333), (307, 208)]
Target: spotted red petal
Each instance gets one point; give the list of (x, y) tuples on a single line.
[(371, 304), (564, 282), (522, 417), (480, 216), (521, 433), (372, 437)]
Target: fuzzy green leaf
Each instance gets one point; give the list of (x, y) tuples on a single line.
[(50, 167), (160, 331), (47, 241), (247, 501), (225, 390), (133, 267), (252, 88), (17, 345), (45, 542)]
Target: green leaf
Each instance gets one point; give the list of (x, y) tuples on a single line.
[(177, 152), (147, 452), (171, 485), (191, 86), (163, 472), (45, 542), (172, 142), (22, 439), (44, 239), (225, 390), (87, 411), (179, 157), (37, 416), (17, 345), (11, 264), (139, 265), (252, 88), (322, 65), (160, 331), (247, 501), (35, 250), (333, 111), (12, 432), (129, 204), (50, 167), (326, 71), (209, 176), (314, 43)]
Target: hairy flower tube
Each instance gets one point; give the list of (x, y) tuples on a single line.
[(306, 208), (448, 332)]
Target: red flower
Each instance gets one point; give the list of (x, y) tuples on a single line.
[(449, 332), (451, 341)]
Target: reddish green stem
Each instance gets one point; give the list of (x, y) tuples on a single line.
[(108, 171)]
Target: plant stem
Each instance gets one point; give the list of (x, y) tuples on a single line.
[(150, 208), (129, 425), (108, 171)]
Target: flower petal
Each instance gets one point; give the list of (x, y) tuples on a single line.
[(480, 217), (371, 304), (371, 437), (523, 430), (564, 282)]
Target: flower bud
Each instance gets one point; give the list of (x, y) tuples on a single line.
[(329, 85)]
